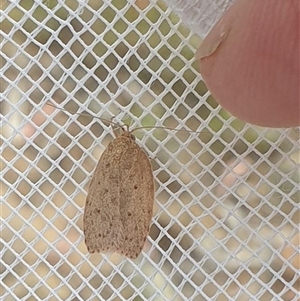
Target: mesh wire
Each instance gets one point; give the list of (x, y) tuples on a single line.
[(226, 218)]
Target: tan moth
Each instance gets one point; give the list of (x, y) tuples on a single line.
[(119, 204)]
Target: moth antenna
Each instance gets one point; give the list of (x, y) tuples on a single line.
[(84, 114), (115, 124), (168, 128)]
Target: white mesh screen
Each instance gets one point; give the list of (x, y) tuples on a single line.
[(226, 217)]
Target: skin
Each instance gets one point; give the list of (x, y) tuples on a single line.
[(250, 62)]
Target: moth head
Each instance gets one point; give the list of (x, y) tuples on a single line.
[(126, 131)]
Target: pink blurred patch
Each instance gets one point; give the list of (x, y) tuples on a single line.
[(250, 62)]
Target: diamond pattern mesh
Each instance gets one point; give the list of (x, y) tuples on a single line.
[(226, 216)]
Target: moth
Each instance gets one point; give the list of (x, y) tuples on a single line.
[(119, 204)]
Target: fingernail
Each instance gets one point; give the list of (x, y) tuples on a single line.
[(210, 44)]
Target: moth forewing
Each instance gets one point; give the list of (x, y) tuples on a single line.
[(120, 199)]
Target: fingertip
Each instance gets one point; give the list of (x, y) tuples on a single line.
[(250, 62)]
